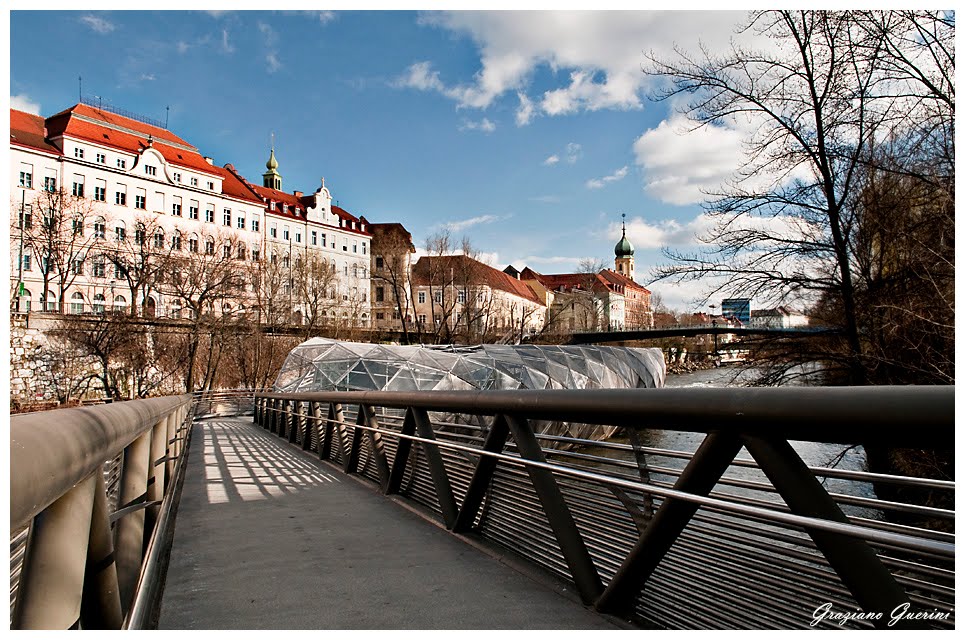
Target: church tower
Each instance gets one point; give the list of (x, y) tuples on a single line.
[(271, 178), (624, 254)]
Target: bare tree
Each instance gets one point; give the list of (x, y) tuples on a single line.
[(391, 247), (820, 100), (207, 284), (60, 230), (138, 257), (313, 280)]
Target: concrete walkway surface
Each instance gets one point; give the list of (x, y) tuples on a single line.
[(268, 537)]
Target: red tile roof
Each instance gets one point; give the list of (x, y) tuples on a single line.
[(233, 185), (481, 273), (607, 278), (618, 278), (27, 130), (111, 130)]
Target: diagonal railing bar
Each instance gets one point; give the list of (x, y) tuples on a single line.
[(698, 478), (355, 448), (325, 441), (437, 468), (374, 436), (557, 513), (311, 426), (401, 454), (853, 560), (482, 475)]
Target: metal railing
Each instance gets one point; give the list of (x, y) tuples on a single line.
[(667, 538), (91, 493)]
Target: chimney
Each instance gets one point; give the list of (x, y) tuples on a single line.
[(298, 194), (209, 160)]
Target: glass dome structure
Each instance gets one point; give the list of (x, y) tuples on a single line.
[(321, 364)]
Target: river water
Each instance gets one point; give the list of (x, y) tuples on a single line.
[(814, 454)]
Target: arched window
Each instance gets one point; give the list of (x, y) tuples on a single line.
[(99, 301), (48, 303), (209, 246), (25, 301), (100, 228), (193, 243), (77, 303), (120, 231), (140, 234), (159, 239), (151, 308), (242, 251), (120, 304), (176, 241)]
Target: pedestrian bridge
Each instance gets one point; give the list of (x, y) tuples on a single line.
[(450, 510)]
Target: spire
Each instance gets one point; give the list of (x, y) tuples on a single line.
[(271, 178), (623, 248)]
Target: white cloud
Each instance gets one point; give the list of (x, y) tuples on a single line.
[(573, 152), (458, 225), (182, 46), (324, 17), (596, 54), (271, 59), (546, 199), (484, 125), (553, 159), (599, 183), (147, 77), (420, 76), (525, 111), (100, 25), (680, 166), (22, 102), (225, 44), (549, 264)]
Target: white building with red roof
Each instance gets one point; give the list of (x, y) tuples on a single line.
[(122, 179)]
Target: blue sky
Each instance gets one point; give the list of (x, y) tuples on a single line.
[(528, 132)]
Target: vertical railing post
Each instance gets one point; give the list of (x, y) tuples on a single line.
[(294, 419), (129, 529), (155, 472), (52, 579), (171, 449), (101, 605), (311, 426)]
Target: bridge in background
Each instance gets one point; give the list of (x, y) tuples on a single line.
[(603, 337), (451, 510)]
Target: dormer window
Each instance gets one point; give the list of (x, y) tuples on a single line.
[(150, 170), (271, 205), (284, 208)]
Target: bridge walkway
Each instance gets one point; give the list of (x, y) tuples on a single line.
[(268, 537)]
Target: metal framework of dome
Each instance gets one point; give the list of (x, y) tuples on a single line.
[(321, 364)]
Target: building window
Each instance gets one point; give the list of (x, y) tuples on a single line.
[(77, 303), (119, 271), (159, 239), (314, 237), (77, 226), (273, 231), (26, 217), (121, 163), (176, 177), (210, 186), (241, 222), (78, 153), (379, 262), (323, 239), (139, 235), (284, 234), (422, 318), (345, 269), (98, 268), (461, 296), (255, 255), (150, 170), (242, 251), (209, 214), (140, 201), (255, 224), (193, 211), (26, 177), (193, 245), (176, 242), (227, 250), (380, 294), (226, 220), (363, 248), (176, 209), (99, 228), (438, 297), (355, 247), (25, 261), (380, 316), (209, 247), (100, 193), (101, 158), (50, 183), (298, 237), (78, 189), (422, 297), (120, 233)]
